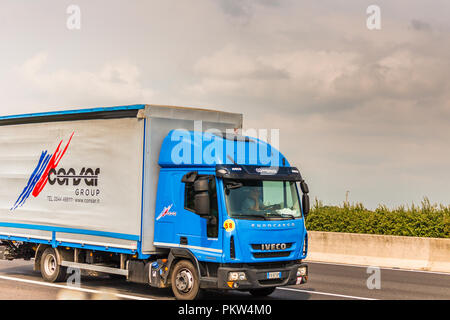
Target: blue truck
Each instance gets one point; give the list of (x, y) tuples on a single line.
[(164, 196)]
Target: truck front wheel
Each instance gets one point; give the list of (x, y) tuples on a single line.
[(185, 281), (50, 269)]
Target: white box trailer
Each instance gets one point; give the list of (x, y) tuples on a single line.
[(88, 178)]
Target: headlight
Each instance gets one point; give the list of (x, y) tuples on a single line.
[(234, 276), (301, 271)]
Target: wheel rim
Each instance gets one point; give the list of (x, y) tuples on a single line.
[(184, 281), (50, 264)]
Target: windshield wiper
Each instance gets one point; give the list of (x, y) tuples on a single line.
[(283, 215), (250, 215), (234, 185)]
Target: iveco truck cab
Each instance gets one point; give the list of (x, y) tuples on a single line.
[(237, 218)]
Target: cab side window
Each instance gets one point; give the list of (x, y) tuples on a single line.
[(189, 195)]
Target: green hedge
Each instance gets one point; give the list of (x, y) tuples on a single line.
[(426, 220)]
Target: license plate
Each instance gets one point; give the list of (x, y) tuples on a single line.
[(273, 275)]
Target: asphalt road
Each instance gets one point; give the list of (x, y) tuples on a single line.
[(326, 281)]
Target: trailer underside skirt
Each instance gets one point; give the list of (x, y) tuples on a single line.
[(92, 267)]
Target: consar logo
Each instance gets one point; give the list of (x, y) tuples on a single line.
[(273, 246), (39, 177), (63, 176)]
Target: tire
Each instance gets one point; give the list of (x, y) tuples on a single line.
[(185, 281), (262, 292), (51, 271)]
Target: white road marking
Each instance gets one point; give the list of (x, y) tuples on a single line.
[(384, 268), (326, 294), (124, 296)]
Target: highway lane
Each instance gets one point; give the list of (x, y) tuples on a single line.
[(326, 281)]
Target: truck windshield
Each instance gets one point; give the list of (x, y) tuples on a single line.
[(262, 199)]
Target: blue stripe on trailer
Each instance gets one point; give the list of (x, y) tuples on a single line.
[(96, 248), (69, 244), (79, 111), (71, 230), (25, 239)]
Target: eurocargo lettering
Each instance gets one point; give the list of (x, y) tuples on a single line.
[(165, 196)]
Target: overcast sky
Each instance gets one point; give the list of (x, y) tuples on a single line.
[(361, 110)]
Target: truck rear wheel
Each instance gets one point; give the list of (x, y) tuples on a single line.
[(262, 292), (185, 281), (51, 271)]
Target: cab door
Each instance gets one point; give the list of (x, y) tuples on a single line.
[(199, 234)]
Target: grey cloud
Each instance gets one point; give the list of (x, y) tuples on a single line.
[(236, 8), (316, 81), (271, 3), (267, 72), (420, 25), (245, 8)]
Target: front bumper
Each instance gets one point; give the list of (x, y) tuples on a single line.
[(257, 277)]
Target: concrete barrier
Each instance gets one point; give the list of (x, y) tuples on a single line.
[(430, 254)]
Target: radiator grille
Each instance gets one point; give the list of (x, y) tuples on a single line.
[(277, 254)]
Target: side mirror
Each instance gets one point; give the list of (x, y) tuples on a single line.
[(189, 177), (233, 185), (305, 198), (304, 187), (201, 185), (305, 204), (201, 198)]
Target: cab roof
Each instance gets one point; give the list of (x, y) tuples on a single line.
[(209, 149)]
